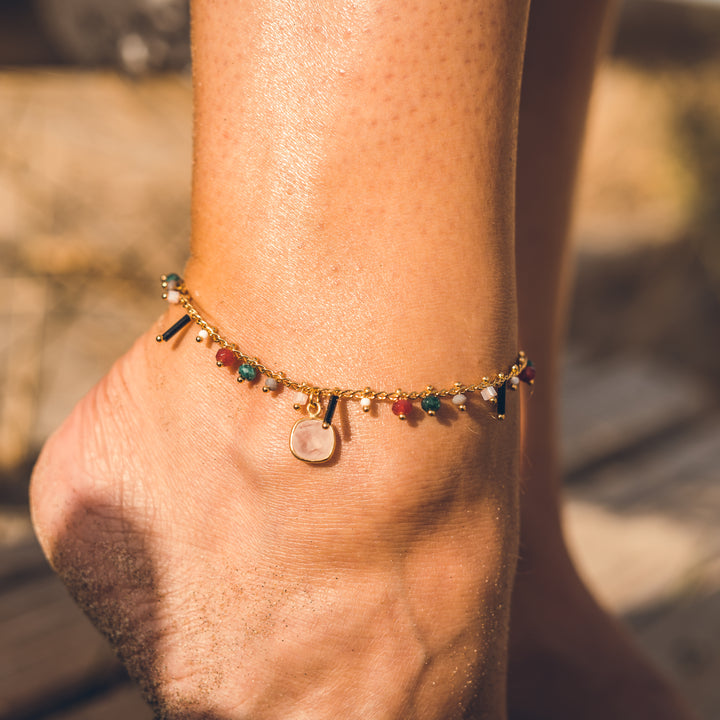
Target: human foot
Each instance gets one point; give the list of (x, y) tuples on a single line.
[(235, 581), (570, 659)]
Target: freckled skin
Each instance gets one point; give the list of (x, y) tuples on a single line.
[(396, 118)]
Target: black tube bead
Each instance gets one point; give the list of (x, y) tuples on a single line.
[(501, 401), (332, 404), (175, 329)]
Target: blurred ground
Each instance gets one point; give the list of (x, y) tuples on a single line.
[(94, 193)]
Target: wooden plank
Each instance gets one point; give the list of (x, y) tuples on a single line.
[(642, 529), (619, 403), (20, 562), (121, 703), (50, 651), (685, 638), (679, 479), (23, 310), (646, 535), (15, 525)]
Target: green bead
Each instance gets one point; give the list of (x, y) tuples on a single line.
[(172, 277), (247, 372), (430, 404)]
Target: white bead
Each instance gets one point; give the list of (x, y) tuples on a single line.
[(488, 393), (173, 297), (459, 399), (300, 398), (515, 381), (203, 334), (271, 383), (365, 403)]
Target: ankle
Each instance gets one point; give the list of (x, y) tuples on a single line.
[(400, 556)]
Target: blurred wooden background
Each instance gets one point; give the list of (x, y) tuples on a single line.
[(94, 199)]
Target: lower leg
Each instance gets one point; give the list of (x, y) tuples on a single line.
[(352, 225), (568, 657)]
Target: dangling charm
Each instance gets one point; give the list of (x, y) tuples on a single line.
[(246, 372), (402, 407), (528, 374), (501, 401), (489, 393), (271, 384), (174, 330), (312, 439), (332, 404), (171, 281), (225, 357), (430, 404)]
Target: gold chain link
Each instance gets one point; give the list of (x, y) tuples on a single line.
[(315, 391)]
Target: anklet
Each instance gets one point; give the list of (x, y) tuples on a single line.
[(313, 438)]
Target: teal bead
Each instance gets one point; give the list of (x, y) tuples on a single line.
[(247, 372), (171, 281), (430, 404)]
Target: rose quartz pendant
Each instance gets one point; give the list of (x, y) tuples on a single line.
[(311, 442)]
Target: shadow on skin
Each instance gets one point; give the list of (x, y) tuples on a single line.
[(108, 568)]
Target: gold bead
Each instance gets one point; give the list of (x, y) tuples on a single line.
[(462, 408), (158, 338)]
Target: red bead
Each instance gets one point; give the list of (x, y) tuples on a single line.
[(225, 356), (528, 374), (402, 407)]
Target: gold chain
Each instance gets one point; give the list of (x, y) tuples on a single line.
[(315, 392)]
